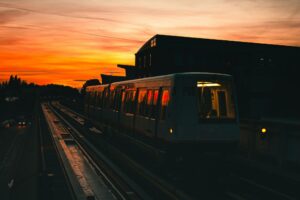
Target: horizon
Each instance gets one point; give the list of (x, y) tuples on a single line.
[(39, 85)]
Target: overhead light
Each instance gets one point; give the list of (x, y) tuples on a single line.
[(207, 84)]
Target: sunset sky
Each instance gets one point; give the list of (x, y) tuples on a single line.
[(65, 41)]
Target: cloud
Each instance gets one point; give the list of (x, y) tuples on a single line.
[(9, 41), (9, 15), (22, 9), (283, 24)]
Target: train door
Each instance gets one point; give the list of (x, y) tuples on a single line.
[(115, 105), (151, 112), (128, 109), (119, 105)]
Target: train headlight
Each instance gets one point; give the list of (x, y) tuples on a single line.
[(263, 133), (171, 131), (263, 130)]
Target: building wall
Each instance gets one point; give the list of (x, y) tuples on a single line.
[(265, 75)]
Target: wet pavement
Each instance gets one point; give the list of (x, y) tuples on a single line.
[(19, 163)]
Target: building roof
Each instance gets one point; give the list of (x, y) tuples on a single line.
[(180, 41), (110, 78), (126, 66)]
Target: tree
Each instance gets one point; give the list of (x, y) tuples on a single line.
[(89, 83)]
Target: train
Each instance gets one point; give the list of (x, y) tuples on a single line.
[(181, 114)]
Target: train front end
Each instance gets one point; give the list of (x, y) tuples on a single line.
[(204, 116)]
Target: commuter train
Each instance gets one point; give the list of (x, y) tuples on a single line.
[(179, 113)]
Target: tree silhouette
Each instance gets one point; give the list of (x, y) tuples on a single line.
[(89, 83)]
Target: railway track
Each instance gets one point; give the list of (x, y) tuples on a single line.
[(87, 173), (235, 185), (54, 183), (131, 173)]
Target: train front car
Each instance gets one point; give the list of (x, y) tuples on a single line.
[(204, 115)]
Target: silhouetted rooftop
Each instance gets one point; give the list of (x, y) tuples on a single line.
[(180, 41)]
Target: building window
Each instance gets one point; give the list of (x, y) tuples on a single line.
[(153, 42), (145, 61), (150, 59)]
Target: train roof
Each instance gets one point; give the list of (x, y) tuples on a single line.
[(169, 76)]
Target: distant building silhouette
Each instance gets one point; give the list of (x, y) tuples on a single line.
[(130, 71), (111, 78)]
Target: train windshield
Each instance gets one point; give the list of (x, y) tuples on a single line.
[(215, 100)]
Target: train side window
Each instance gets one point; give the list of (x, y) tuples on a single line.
[(165, 97), (141, 102), (93, 98), (111, 99), (129, 101), (106, 98), (126, 101), (124, 95), (117, 100), (215, 100), (206, 99), (132, 101), (149, 103), (100, 99), (153, 107), (87, 98), (222, 103), (96, 98)]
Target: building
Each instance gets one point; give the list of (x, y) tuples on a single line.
[(265, 75), (110, 78), (130, 71)]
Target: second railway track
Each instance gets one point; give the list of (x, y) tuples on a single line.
[(235, 187)]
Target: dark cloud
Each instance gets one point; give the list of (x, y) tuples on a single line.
[(9, 41), (14, 27), (284, 24), (9, 15), (75, 63), (255, 28)]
